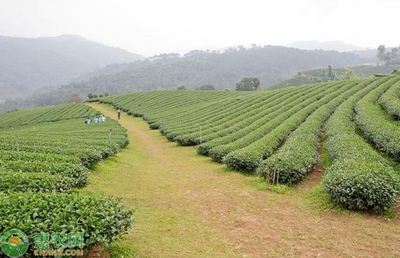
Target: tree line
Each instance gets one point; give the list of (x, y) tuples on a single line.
[(388, 56)]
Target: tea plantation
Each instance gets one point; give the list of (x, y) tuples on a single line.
[(277, 133), (45, 156)]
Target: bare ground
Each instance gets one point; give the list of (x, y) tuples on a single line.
[(316, 175), (97, 252), (188, 206)]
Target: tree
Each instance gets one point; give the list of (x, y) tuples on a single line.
[(90, 96), (381, 52), (331, 75), (181, 88), (248, 84), (388, 58), (206, 87), (394, 55)]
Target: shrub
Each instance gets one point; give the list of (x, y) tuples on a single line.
[(359, 177), (34, 182), (299, 153), (250, 157), (101, 220), (362, 185), (390, 100), (78, 173), (376, 124)]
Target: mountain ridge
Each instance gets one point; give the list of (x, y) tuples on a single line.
[(337, 45), (35, 65)]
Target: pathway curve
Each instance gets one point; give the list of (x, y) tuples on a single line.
[(188, 206)]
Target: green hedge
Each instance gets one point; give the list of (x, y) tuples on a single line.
[(390, 100), (250, 157), (46, 114), (78, 172), (217, 146), (257, 118), (251, 134), (361, 185), (236, 118), (101, 219), (359, 177), (299, 153), (376, 124), (34, 182)]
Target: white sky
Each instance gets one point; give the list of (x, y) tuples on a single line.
[(151, 27)]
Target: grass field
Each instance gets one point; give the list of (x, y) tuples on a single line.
[(189, 206)]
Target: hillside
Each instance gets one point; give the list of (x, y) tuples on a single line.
[(367, 55), (37, 65), (309, 77), (366, 70), (321, 75), (270, 64), (48, 156), (277, 133)]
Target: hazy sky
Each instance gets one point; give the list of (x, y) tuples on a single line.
[(150, 27)]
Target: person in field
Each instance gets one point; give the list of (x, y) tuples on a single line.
[(103, 118), (119, 114)]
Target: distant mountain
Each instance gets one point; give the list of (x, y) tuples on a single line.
[(34, 65), (327, 45)]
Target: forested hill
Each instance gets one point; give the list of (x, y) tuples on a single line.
[(31, 65), (270, 64), (223, 70)]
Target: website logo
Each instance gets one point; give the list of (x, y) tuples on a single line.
[(14, 243)]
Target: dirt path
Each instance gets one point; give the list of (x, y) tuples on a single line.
[(188, 206), (316, 175)]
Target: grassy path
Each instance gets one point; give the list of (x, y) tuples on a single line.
[(188, 206)]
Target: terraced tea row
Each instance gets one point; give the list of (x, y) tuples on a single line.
[(41, 163), (223, 139), (248, 152), (376, 124), (231, 124), (359, 177), (230, 121), (278, 131), (293, 160), (45, 114), (390, 101), (148, 104), (63, 147), (208, 115)]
